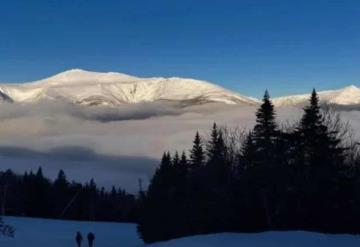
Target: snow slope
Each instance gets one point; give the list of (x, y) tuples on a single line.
[(93, 88), (55, 233), (345, 96), (266, 239)]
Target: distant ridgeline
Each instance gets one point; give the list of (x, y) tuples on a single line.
[(303, 176), (34, 195)]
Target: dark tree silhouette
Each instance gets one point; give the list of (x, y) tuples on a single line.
[(282, 179), (265, 134), (34, 195)]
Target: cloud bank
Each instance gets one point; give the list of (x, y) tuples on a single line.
[(113, 145)]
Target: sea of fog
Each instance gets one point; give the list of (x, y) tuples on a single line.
[(115, 146)]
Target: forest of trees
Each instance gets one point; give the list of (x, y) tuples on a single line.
[(297, 176), (34, 195)]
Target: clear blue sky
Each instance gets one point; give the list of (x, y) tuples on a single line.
[(286, 46)]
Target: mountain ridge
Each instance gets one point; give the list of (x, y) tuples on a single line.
[(112, 88), (95, 88), (349, 95)]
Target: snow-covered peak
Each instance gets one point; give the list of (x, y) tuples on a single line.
[(349, 95), (95, 88), (79, 76), (351, 87)]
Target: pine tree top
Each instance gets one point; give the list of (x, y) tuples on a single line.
[(183, 159), (197, 155), (265, 119), (39, 173), (314, 99), (176, 159), (312, 118)]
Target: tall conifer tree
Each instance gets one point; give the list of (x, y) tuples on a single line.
[(317, 146), (197, 155), (265, 133)]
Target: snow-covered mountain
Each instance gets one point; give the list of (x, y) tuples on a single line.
[(93, 88), (112, 89), (344, 97)]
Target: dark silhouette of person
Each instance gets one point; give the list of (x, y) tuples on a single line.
[(91, 238), (78, 239)]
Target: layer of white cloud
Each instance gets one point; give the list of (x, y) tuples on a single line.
[(143, 131)]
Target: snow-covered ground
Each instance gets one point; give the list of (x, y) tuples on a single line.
[(267, 239), (32, 232), (55, 233)]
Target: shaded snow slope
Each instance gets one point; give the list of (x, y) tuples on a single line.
[(93, 88), (55, 233)]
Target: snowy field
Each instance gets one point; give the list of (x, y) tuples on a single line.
[(54, 233)]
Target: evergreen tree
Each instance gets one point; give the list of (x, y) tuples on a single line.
[(60, 193), (39, 174), (183, 166), (183, 160), (266, 161), (219, 159), (40, 188), (113, 192), (217, 164), (316, 144), (179, 171), (197, 155), (61, 179), (247, 154), (211, 145), (92, 199), (158, 203), (265, 133), (164, 174), (176, 160), (318, 158)]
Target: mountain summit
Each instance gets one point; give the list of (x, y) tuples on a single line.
[(94, 88), (349, 95)]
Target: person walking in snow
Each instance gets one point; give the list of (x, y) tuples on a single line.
[(91, 238), (78, 239)]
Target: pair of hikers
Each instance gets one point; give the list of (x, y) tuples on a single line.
[(90, 238)]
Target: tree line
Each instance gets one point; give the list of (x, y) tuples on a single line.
[(34, 195), (303, 176)]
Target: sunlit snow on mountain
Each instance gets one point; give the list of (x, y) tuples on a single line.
[(92, 88)]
